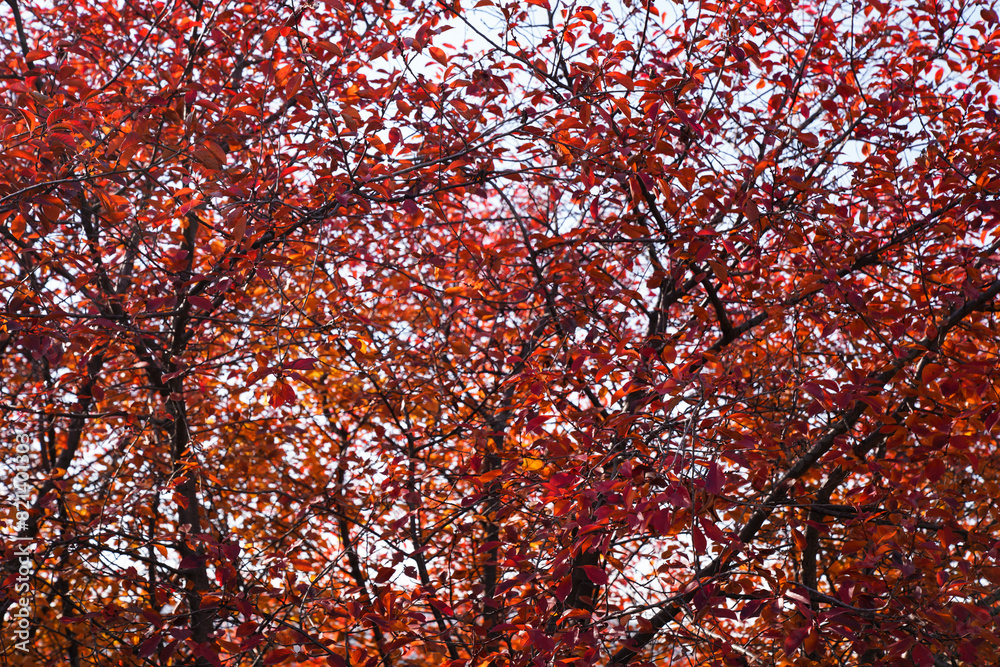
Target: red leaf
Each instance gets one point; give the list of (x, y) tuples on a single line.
[(794, 639), (535, 425), (711, 530), (334, 660), (277, 655), (620, 79), (246, 629), (441, 607), (715, 479), (305, 364), (698, 540), (380, 49), (921, 656), (207, 157), (200, 302), (595, 574), (148, 647), (934, 469), (809, 139), (541, 640)]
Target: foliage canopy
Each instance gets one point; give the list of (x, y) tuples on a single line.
[(522, 333)]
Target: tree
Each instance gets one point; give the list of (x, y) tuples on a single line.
[(510, 334)]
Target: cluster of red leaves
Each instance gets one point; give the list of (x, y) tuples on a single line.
[(413, 333)]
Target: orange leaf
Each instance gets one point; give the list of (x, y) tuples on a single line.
[(439, 55), (269, 38)]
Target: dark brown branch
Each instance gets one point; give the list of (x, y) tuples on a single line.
[(418, 552), (725, 325), (22, 38), (353, 561)]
